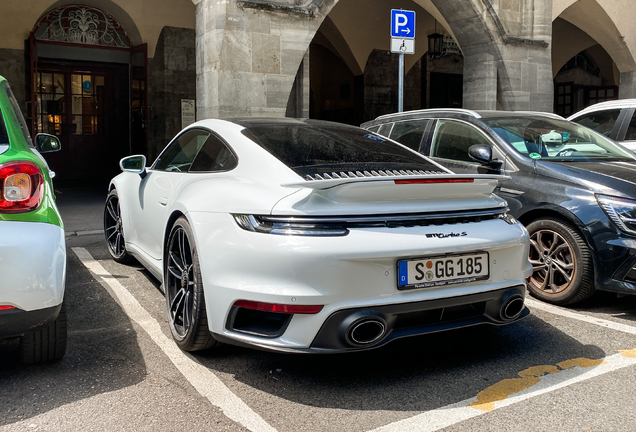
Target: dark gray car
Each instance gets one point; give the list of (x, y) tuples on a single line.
[(572, 188)]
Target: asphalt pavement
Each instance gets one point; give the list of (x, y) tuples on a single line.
[(559, 369), (81, 204)]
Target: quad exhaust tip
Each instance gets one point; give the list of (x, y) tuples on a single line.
[(512, 307), (366, 331)]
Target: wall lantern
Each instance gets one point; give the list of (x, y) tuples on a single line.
[(435, 43)]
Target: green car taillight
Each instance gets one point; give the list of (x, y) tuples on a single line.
[(22, 186)]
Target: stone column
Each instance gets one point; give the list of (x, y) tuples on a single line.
[(627, 87), (248, 55), (506, 50), (525, 82), (298, 102), (480, 81), (525, 69)]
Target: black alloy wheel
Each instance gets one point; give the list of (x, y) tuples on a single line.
[(113, 229), (185, 300), (562, 271)]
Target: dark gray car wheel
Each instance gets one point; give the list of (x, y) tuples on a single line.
[(185, 301), (561, 262)]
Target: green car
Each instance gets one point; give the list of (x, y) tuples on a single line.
[(32, 246)]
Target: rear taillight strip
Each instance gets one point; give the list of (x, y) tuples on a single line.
[(278, 308), (490, 213)]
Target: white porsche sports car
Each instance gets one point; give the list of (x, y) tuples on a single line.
[(309, 236)]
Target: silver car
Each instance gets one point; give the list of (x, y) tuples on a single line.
[(614, 119)]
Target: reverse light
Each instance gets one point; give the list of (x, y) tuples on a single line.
[(21, 187), (288, 226), (279, 308), (621, 211)]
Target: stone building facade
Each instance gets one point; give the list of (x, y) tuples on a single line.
[(325, 59)]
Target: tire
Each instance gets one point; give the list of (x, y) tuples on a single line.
[(47, 344), (113, 229), (185, 301), (563, 271)]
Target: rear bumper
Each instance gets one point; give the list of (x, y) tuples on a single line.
[(16, 322), (32, 265), (409, 319)]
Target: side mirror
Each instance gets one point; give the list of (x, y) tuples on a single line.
[(134, 164), (483, 154), (46, 143)]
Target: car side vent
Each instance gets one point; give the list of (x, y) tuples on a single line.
[(379, 173)]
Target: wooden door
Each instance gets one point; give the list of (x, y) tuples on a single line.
[(87, 108), (139, 99)]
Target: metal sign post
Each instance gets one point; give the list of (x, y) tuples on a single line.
[(402, 42), (401, 83)]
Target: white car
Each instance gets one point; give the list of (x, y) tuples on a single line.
[(615, 119), (308, 236)]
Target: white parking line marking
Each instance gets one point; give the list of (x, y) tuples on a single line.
[(200, 377), (557, 378), (585, 318)]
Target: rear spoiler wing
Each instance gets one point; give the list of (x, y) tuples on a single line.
[(397, 179)]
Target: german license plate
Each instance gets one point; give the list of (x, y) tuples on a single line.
[(442, 270)]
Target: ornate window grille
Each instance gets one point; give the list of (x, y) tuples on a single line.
[(584, 61), (82, 25)]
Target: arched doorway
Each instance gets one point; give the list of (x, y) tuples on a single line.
[(581, 78), (354, 76), (89, 87), (587, 57)]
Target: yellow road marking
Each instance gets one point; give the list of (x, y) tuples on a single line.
[(628, 353), (527, 378)]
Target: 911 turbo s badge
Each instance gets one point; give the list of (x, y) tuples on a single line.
[(442, 235)]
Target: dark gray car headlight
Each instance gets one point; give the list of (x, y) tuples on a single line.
[(621, 211)]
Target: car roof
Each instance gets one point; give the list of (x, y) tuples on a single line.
[(249, 122), (620, 103), (455, 113)]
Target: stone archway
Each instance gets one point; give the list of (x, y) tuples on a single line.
[(585, 24), (251, 50), (82, 89), (249, 53)]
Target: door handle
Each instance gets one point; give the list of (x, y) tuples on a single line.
[(163, 201)]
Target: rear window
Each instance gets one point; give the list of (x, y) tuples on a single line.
[(17, 115), (4, 137), (602, 122), (409, 132), (314, 147)]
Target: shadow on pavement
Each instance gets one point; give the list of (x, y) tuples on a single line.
[(103, 355), (413, 374)]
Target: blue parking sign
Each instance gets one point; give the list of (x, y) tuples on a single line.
[(402, 24)]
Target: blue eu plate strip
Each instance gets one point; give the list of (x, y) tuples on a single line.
[(403, 273)]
